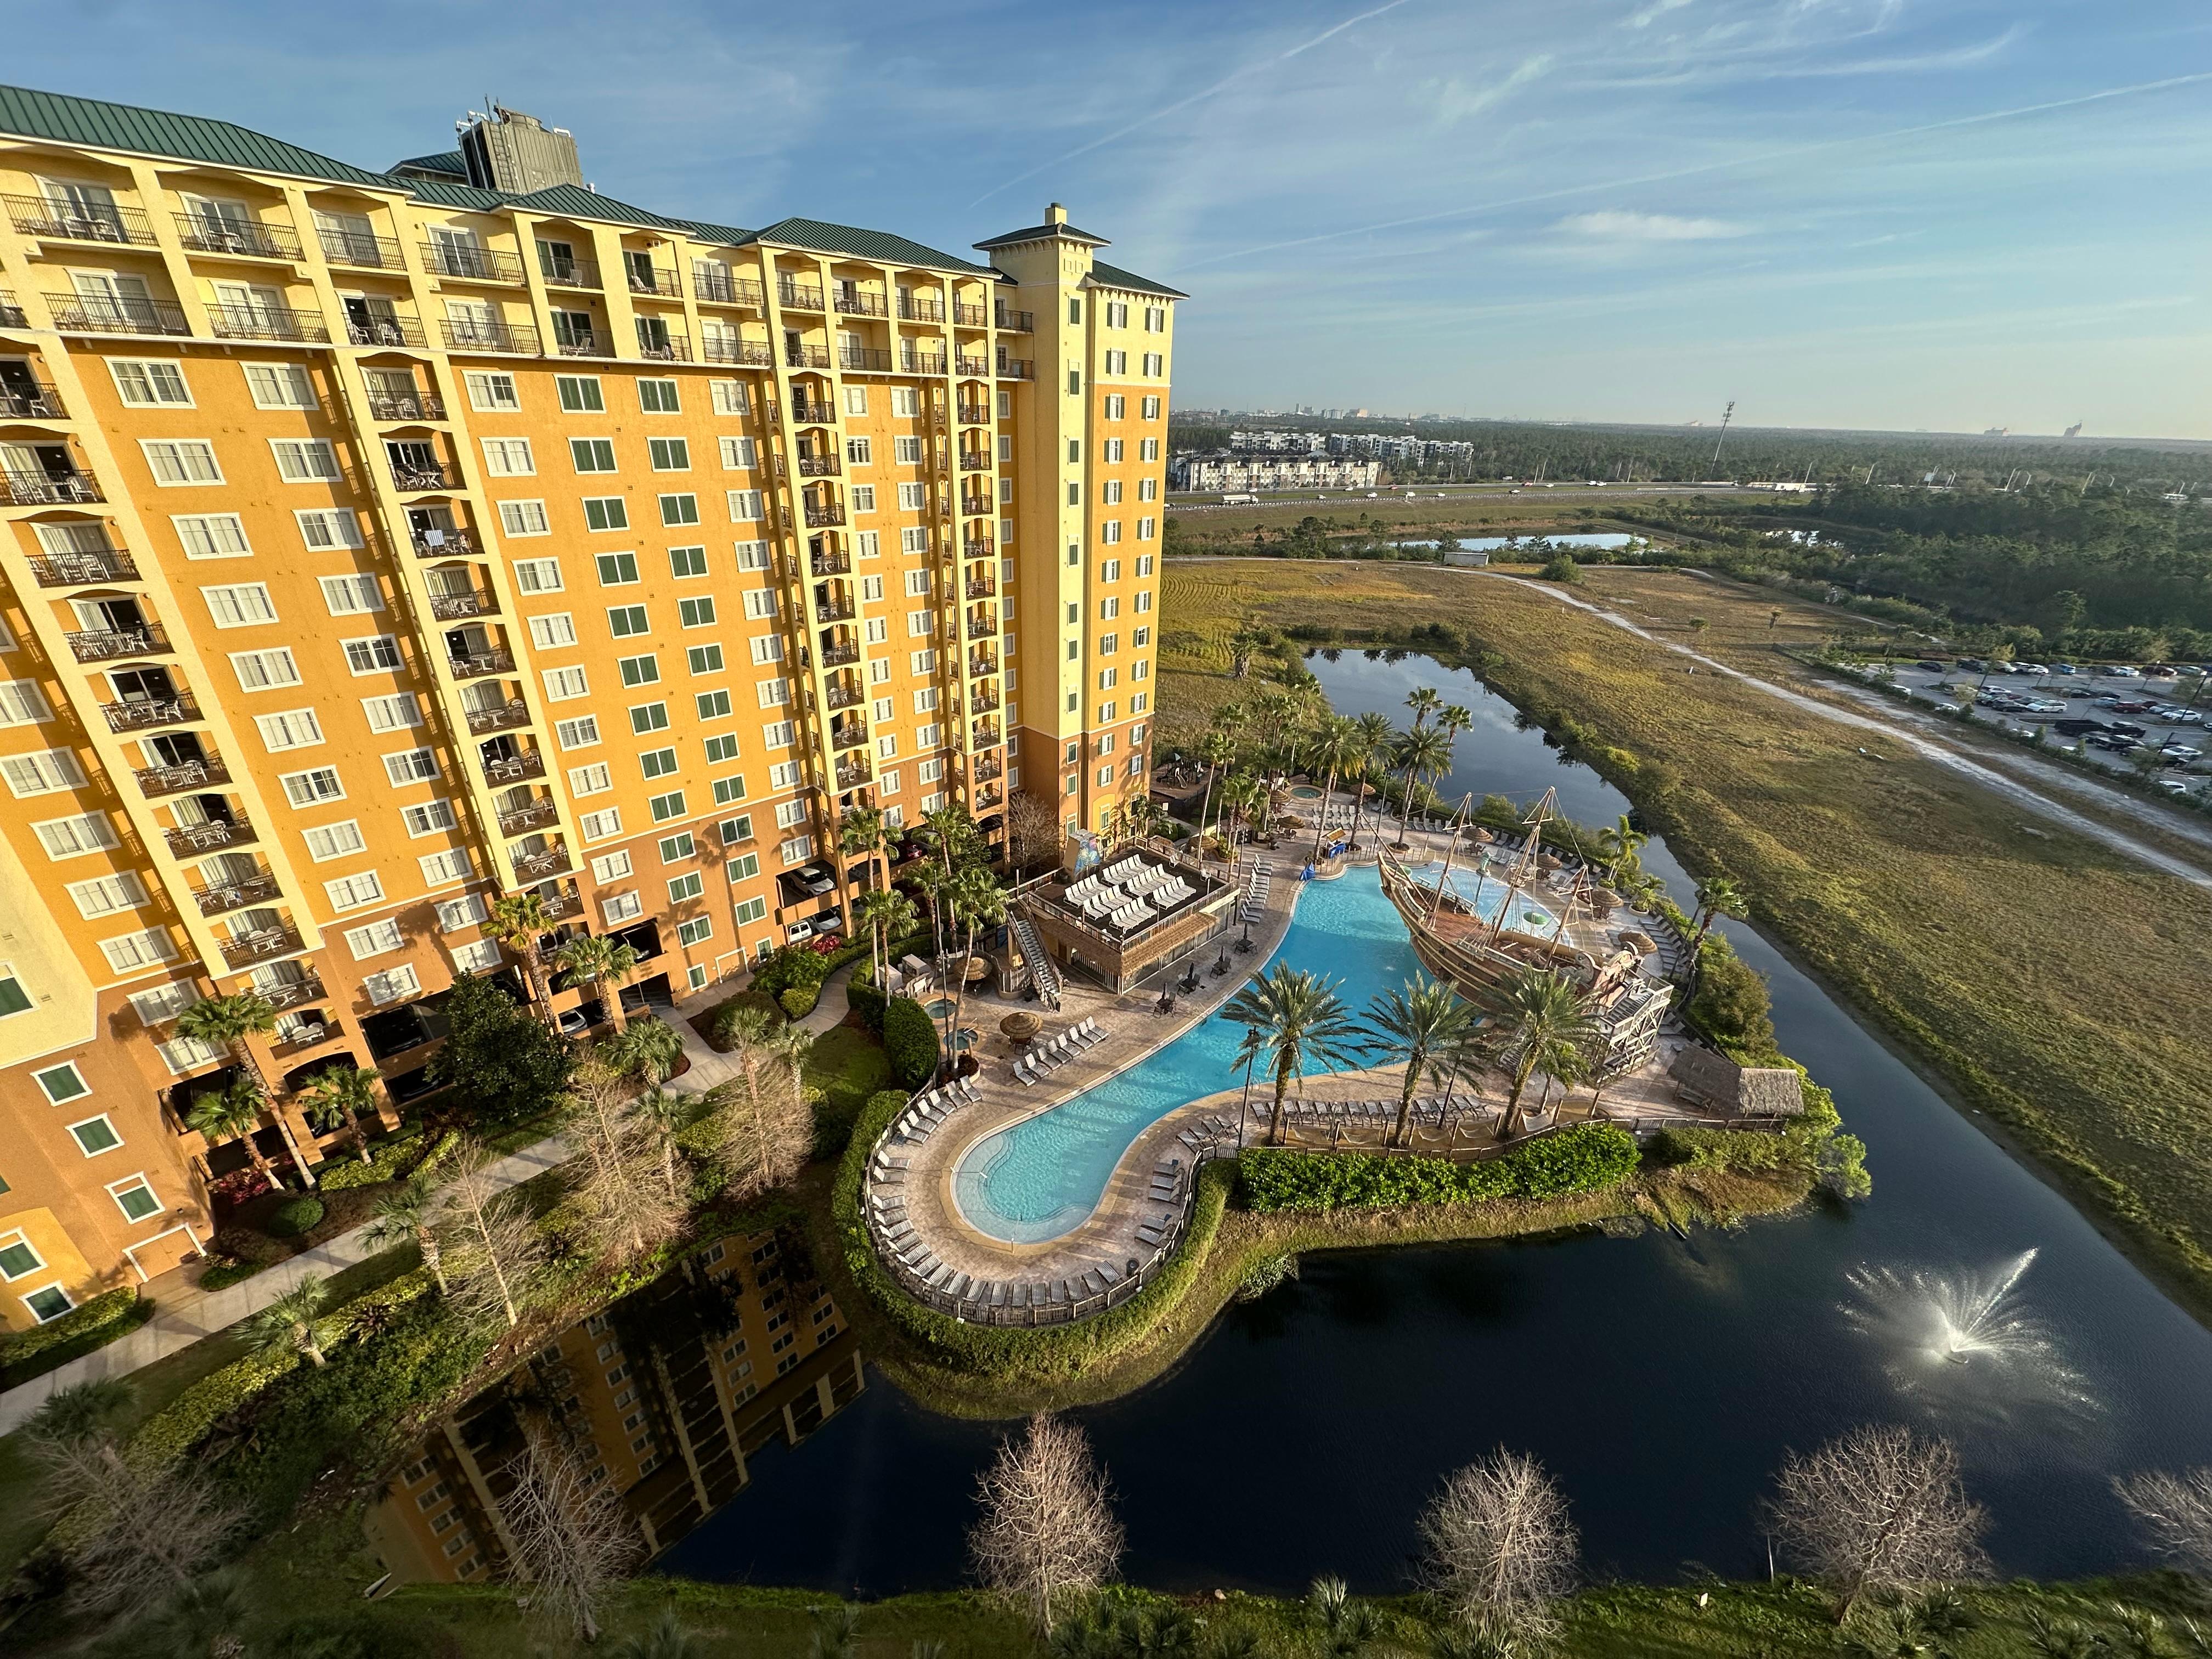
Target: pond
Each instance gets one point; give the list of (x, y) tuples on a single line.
[(1605, 539), (1659, 1379)]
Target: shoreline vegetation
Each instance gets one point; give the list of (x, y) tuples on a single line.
[(1912, 893)]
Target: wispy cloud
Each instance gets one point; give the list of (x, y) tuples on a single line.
[(1455, 101), (1652, 13), (1617, 226)]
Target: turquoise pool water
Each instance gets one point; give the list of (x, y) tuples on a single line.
[(1487, 895), (1041, 1177)]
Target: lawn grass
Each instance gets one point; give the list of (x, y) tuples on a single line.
[(2025, 964), (848, 1064)]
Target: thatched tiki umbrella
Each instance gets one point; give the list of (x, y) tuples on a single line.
[(1020, 1026)]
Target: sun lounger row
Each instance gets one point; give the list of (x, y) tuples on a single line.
[(1062, 1048), (1122, 869), (1135, 913), (1359, 1111)]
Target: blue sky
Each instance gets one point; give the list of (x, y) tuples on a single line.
[(1870, 213)]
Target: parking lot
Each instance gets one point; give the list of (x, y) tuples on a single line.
[(2118, 717)]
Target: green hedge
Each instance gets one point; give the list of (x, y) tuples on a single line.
[(389, 1159), (295, 1215), (1588, 1157), (800, 1000), (1045, 1351), (910, 1041), (89, 1325)]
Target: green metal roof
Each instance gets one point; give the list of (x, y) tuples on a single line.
[(856, 244), (450, 162), (721, 235), (577, 203), (1044, 233), (67, 120), (1115, 276)]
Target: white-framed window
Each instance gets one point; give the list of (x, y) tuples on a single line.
[(864, 497), (581, 732), (913, 497), (1152, 409), (929, 737), (922, 662), (427, 817), (305, 460), (1148, 449), (856, 400), (391, 985), (906, 401), (334, 841), (774, 694), (566, 685), (313, 786), (351, 596), (42, 772), (1109, 493), (679, 510), (181, 461), (95, 1135), (1117, 363), (917, 584), (134, 1196), (668, 454), (868, 544), (579, 394), (280, 386), (595, 778), (598, 826), (107, 896), (295, 728), (375, 939), (449, 865), (127, 953), (610, 866), (144, 383), (920, 624), (266, 669), (21, 703), (621, 907), (604, 513), (667, 806), (639, 671), (552, 630), (163, 1003), (508, 457), (781, 734), (657, 397), (325, 527), (239, 604), (351, 892), (477, 957), (467, 911), (1155, 364), (211, 535), (695, 612), (790, 812), (616, 569), (1117, 313), (761, 604), (524, 518), (537, 575), (592, 454), (684, 562), (745, 506), (753, 555), (392, 712), (797, 850), (405, 766), (62, 1083), (76, 836), (1117, 406), (907, 452), (728, 397), (915, 538), (491, 392), (860, 452), (766, 649)]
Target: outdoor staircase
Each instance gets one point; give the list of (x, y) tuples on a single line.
[(1042, 974)]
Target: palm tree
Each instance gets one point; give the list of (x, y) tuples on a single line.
[(1216, 751), (1422, 753), (1428, 1026), (290, 1322), (520, 921), (665, 1116), (234, 1112), (1620, 846), (403, 1212), (1291, 1020), (1424, 701), (226, 1023), (1544, 1024), (340, 1098), (1717, 896), (647, 1050), (861, 829), (1455, 719), (1338, 746), (887, 913), (976, 899), (591, 958), (666, 1637), (1377, 734)]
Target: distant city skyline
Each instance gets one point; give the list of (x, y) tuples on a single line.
[(1846, 213)]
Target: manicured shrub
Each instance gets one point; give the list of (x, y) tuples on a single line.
[(865, 998), (224, 1274), (501, 1062), (1586, 1159), (799, 1000), (724, 1032), (295, 1215), (89, 1325), (910, 1041)]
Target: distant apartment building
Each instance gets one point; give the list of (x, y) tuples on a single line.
[(1232, 473), (379, 543)]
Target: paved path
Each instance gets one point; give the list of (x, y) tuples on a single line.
[(184, 1314)]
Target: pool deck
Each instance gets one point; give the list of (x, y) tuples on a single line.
[(1133, 1031)]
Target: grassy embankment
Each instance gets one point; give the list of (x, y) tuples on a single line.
[(2026, 965)]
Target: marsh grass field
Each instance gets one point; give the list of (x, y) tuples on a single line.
[(2048, 980)]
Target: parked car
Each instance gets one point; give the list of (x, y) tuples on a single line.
[(2126, 728), (2179, 751), (2160, 673), (2112, 740), (1972, 665), (2174, 786), (2033, 668), (2068, 668), (799, 932), (2043, 706), (1929, 667), (2121, 672)]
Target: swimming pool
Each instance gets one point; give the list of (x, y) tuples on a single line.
[(1485, 896), (1038, 1178)]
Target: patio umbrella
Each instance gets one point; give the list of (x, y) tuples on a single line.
[(1022, 1025)]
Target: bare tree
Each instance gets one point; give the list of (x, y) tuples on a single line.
[(765, 1126), (130, 1531), (1047, 1531), (493, 1254), (1879, 1508), (618, 1172), (1501, 1550), (1033, 827), (2175, 1511), (573, 1540)]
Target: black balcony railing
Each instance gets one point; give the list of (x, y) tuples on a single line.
[(976, 546), (1018, 322), (473, 334), (523, 819), (981, 627), (75, 314), (393, 331), (84, 568), (834, 656), (922, 308), (796, 355), (143, 714), (799, 296), (803, 413), (34, 216), (653, 279), (452, 607), (983, 703), (971, 316), (415, 477), (864, 360), (237, 894), (751, 354), (568, 273), (106, 644), (985, 663), (477, 664), (483, 265), (664, 347), (189, 840), (830, 610), (582, 343), (819, 518), (537, 866), (974, 460), (860, 303), (975, 415), (261, 322), (922, 362), (445, 541), (514, 768), (242, 951), (406, 406), (504, 717), (1017, 368), (155, 782), (47, 489), (829, 564), (360, 249), (205, 233), (818, 466), (971, 366), (719, 288), (40, 403)]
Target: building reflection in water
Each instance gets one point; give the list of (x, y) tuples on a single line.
[(665, 1391)]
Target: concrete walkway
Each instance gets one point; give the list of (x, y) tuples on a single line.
[(184, 1314)]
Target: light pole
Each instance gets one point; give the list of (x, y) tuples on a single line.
[(1244, 1106)]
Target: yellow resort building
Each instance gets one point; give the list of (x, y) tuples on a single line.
[(379, 543)]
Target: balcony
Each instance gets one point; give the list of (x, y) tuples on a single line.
[(537, 866), (191, 839), (849, 737), (976, 546), (452, 607), (864, 360), (153, 712), (523, 819), (480, 265), (84, 568), (312, 1034), (989, 768), (974, 460), (362, 252), (982, 628), (514, 768), (803, 413), (975, 415), (666, 349), (406, 406), (987, 663), (989, 795), (975, 507), (922, 308), (417, 477), (831, 610), (1017, 368), (291, 992), (513, 712), (43, 402), (478, 664), (568, 273), (475, 335), (237, 894), (267, 323), (818, 466), (806, 356), (97, 314), (819, 518), (583, 343), (851, 773), (393, 331), (982, 588), (972, 366), (861, 304), (983, 703), (922, 362), (719, 288), (799, 296), (106, 644), (1017, 322), (155, 782), (244, 950), (568, 902), (835, 656), (843, 697), (971, 316), (985, 736), (746, 354), (47, 489), (64, 221), (653, 279), (249, 237), (830, 564)]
